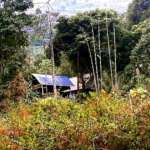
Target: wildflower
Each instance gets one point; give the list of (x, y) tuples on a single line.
[(133, 93)]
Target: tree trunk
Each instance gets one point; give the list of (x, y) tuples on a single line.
[(52, 54), (92, 64), (78, 72), (115, 56), (100, 56), (95, 58), (91, 59), (109, 52)]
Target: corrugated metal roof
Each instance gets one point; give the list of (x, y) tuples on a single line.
[(59, 80)]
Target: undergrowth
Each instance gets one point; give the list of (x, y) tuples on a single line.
[(108, 122)]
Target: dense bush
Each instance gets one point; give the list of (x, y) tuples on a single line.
[(17, 88), (108, 122)]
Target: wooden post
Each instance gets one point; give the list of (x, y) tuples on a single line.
[(46, 91), (42, 90)]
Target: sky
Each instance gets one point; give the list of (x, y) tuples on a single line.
[(69, 7)]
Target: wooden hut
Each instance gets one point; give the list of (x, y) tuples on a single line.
[(42, 84)]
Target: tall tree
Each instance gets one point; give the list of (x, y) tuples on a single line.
[(13, 37), (69, 38), (100, 55), (13, 20), (109, 52), (95, 58), (115, 58)]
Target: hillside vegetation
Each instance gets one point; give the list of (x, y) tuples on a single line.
[(107, 52), (108, 122)]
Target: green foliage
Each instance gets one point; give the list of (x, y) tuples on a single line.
[(137, 72), (70, 39), (138, 11), (12, 21), (65, 67), (142, 27), (13, 38), (140, 56), (106, 122), (42, 65)]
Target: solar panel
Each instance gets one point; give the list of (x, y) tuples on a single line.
[(47, 80), (63, 81)]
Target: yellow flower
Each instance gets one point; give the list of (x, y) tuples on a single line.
[(133, 93)]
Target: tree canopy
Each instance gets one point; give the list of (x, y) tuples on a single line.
[(139, 10), (140, 56), (70, 38), (13, 20), (13, 36)]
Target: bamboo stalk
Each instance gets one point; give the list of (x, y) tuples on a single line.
[(100, 55), (92, 64), (52, 54), (91, 59), (95, 58), (115, 57), (109, 52)]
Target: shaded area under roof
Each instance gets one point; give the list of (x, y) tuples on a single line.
[(62, 81)]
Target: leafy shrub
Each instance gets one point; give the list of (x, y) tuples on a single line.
[(99, 123), (17, 88)]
